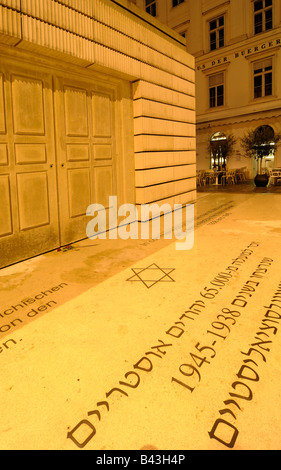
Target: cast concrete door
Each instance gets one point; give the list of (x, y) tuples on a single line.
[(28, 183), (85, 152), (57, 156)]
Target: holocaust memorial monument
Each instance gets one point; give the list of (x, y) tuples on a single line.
[(118, 336)]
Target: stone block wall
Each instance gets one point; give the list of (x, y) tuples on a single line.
[(119, 39)]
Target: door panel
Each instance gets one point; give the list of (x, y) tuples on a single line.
[(28, 193), (77, 153), (30, 153), (5, 213), (28, 105), (76, 112), (30, 187), (104, 184), (86, 152), (3, 154), (79, 182), (102, 115), (2, 106), (57, 156)]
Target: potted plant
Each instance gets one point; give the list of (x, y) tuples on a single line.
[(258, 144)]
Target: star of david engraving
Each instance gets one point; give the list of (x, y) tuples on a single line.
[(151, 275)]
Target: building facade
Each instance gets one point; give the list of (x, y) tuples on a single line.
[(236, 44), (97, 99)]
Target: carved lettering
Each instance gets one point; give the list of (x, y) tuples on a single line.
[(248, 397), (147, 362), (225, 428), (84, 422), (243, 373)]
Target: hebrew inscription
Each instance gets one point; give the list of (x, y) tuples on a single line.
[(189, 374)]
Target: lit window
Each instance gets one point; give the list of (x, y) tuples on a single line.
[(263, 78), (151, 7), (216, 90), (177, 2), (218, 158), (263, 16), (216, 31)]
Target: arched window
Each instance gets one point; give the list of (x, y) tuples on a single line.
[(218, 160), (266, 129)]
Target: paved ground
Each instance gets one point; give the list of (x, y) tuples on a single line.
[(247, 187), (116, 345)]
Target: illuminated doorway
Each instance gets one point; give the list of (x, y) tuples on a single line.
[(217, 159)]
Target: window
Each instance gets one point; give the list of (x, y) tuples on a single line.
[(216, 32), (177, 2), (217, 144), (263, 16), (151, 7), (263, 78), (216, 90)]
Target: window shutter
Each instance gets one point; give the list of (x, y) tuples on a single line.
[(263, 64), (215, 80)]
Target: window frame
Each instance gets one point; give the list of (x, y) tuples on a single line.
[(216, 31), (263, 74), (262, 12), (216, 162), (151, 7), (216, 96), (175, 3)]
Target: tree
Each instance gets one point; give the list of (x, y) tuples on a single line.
[(222, 148), (260, 143)]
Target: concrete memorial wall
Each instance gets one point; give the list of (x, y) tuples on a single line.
[(97, 99)]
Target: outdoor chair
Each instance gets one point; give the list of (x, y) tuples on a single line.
[(228, 178), (241, 174), (274, 176), (200, 177), (210, 177)]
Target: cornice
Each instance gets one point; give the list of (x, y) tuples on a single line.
[(221, 5)]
